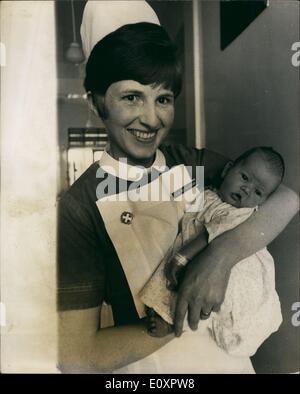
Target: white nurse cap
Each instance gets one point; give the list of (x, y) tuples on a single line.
[(102, 17)]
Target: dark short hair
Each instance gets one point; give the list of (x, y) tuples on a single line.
[(273, 159), (142, 52)]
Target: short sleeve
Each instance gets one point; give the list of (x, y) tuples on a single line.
[(81, 272)]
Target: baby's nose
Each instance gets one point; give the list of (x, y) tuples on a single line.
[(246, 189)]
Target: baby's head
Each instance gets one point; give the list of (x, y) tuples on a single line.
[(252, 177)]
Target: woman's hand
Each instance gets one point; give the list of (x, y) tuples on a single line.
[(201, 291)]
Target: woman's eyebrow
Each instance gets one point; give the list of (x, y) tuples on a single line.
[(133, 91), (167, 94)]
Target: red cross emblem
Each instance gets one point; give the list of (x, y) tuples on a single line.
[(126, 217)]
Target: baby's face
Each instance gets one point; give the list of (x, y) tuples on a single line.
[(248, 183)]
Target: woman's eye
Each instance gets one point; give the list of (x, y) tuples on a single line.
[(131, 98), (258, 193), (244, 177), (164, 100)]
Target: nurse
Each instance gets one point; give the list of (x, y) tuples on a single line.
[(108, 246)]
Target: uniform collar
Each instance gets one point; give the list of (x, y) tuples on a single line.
[(128, 172)]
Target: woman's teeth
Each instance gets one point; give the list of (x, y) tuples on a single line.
[(141, 134)]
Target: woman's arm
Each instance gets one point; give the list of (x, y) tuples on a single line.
[(85, 349), (205, 281)]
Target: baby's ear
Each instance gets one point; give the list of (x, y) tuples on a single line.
[(226, 169)]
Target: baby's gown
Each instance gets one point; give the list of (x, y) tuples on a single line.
[(251, 309)]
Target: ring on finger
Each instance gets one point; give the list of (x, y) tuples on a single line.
[(206, 314)]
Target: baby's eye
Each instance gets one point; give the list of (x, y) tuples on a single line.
[(244, 177), (258, 193)]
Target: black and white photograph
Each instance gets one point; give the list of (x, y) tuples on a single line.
[(150, 181)]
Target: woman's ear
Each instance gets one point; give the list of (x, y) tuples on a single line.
[(226, 169), (91, 103), (96, 105)]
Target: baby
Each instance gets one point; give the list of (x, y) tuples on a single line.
[(251, 308)]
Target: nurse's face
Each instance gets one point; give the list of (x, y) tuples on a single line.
[(137, 118)]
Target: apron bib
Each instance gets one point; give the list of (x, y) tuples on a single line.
[(142, 232)]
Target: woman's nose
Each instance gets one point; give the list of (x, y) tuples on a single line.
[(149, 116)]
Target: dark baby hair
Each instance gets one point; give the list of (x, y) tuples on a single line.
[(273, 159), (142, 52)]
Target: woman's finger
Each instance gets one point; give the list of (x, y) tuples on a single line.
[(180, 312), (193, 316), (205, 313), (206, 310), (216, 308)]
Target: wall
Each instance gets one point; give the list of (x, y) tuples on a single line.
[(252, 98), (28, 188)]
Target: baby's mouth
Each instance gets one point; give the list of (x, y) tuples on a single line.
[(142, 136), (236, 197)]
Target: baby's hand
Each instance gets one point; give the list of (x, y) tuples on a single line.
[(173, 272), (157, 327)]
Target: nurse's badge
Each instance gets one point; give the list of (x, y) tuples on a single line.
[(126, 217)]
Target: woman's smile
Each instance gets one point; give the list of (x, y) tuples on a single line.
[(142, 136)]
